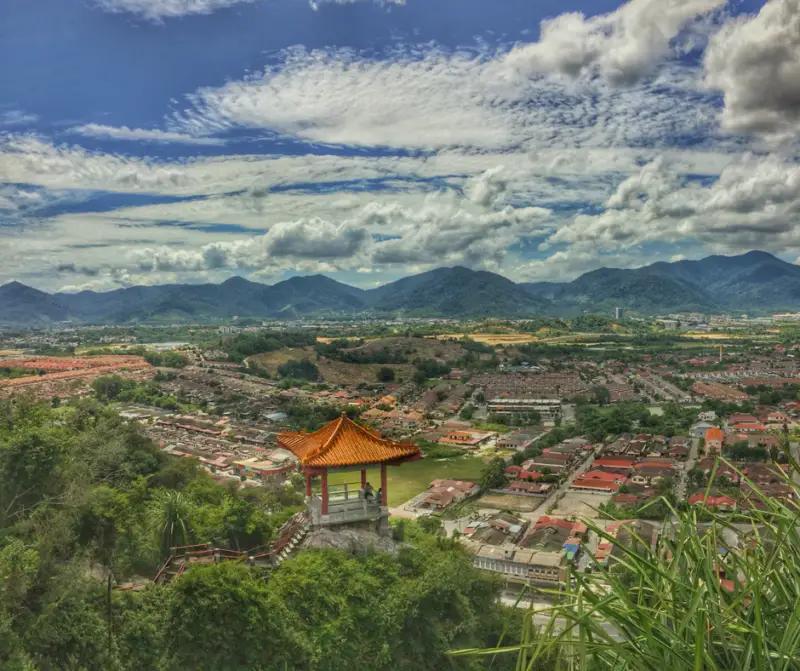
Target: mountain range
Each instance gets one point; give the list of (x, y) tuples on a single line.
[(756, 282)]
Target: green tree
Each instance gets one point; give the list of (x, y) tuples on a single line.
[(601, 395), (385, 374), (237, 596), (494, 475), (300, 370), (170, 515)]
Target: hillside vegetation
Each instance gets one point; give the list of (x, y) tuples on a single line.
[(87, 503)]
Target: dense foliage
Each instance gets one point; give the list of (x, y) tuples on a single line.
[(124, 390), (243, 345), (299, 370), (86, 502)]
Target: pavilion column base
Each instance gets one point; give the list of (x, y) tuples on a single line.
[(384, 529)]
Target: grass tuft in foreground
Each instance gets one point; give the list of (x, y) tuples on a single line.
[(700, 599)]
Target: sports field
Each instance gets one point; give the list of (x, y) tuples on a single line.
[(408, 480)]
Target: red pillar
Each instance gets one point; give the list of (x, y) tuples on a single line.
[(383, 484), (324, 492), (363, 478), (308, 486)]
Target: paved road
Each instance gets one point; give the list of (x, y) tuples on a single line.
[(533, 515), (680, 487), (584, 466)]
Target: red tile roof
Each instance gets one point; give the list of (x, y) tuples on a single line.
[(600, 485), (602, 475), (715, 434), (750, 427), (345, 443), (711, 500)]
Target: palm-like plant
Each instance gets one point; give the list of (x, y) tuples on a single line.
[(690, 602), (170, 519)]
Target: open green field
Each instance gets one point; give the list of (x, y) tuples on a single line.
[(408, 480)]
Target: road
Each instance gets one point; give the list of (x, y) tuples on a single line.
[(533, 515), (680, 486)]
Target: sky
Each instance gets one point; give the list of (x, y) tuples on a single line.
[(163, 141)]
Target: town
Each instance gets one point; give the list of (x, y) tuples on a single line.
[(526, 438)]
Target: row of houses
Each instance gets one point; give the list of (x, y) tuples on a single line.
[(541, 556)]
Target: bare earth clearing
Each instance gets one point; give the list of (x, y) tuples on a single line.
[(335, 372), (523, 504), (339, 372)]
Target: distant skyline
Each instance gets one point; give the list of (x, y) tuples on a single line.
[(166, 141)]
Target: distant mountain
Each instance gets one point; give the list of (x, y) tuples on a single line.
[(755, 282), (457, 292), (21, 304), (295, 297), (315, 294), (641, 290), (543, 289)]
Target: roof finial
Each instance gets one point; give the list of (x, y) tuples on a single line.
[(344, 413)]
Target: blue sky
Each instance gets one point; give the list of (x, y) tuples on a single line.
[(151, 141)]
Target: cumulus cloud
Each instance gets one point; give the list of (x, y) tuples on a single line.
[(755, 62), (157, 10), (624, 45), (281, 245), (566, 265), (445, 228), (140, 134), (488, 188), (72, 269), (753, 204)]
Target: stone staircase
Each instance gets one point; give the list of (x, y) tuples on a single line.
[(182, 558), (289, 538)]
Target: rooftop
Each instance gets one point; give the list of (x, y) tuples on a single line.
[(345, 443)]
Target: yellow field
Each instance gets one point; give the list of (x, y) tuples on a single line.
[(11, 352), (723, 336), (328, 341), (491, 338)]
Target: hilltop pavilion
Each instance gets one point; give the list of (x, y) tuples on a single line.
[(339, 446)]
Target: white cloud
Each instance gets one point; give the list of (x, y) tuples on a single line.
[(566, 265), (755, 62), (140, 134), (14, 199), (157, 10), (624, 45), (437, 100), (17, 118), (316, 4), (753, 205), (279, 247), (432, 98), (488, 188)]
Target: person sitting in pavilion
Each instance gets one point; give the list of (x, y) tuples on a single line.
[(369, 492)]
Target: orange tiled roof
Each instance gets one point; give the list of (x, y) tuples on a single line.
[(345, 443)]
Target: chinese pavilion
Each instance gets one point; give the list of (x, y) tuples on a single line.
[(339, 446)]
